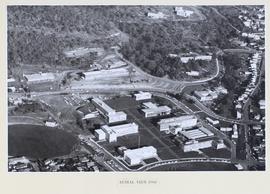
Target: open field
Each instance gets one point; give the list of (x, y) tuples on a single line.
[(39, 141)]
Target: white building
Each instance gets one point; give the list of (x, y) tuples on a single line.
[(110, 114), (136, 156), (152, 110), (238, 115), (186, 59), (193, 73), (226, 129), (158, 15), (11, 80), (143, 96), (262, 104), (195, 145), (238, 106), (100, 134), (50, 124), (206, 95), (239, 167), (235, 132), (113, 132), (195, 134), (90, 115), (181, 12), (173, 55), (247, 23), (182, 122), (221, 89), (213, 122), (204, 57), (11, 89), (220, 144), (39, 77)]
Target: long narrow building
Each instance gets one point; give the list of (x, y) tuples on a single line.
[(136, 156), (152, 110), (182, 122), (113, 132), (110, 114)]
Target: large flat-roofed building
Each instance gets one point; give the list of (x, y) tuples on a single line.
[(136, 156), (195, 145), (182, 122), (39, 77), (182, 12), (206, 95), (194, 139), (143, 96), (152, 110), (197, 133), (188, 145), (110, 114), (193, 73), (113, 132)]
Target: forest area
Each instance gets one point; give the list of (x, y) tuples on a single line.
[(38, 36)]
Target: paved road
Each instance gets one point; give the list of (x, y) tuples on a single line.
[(182, 160), (172, 85), (208, 111), (90, 142)]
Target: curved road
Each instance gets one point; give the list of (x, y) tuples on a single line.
[(183, 160)]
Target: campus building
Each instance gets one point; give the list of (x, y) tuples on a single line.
[(152, 110), (197, 133), (39, 77), (113, 132), (206, 95), (143, 96), (195, 145), (136, 156), (100, 134), (193, 73), (180, 123), (110, 114), (194, 139), (181, 12)]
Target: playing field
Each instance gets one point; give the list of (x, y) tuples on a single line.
[(36, 141)]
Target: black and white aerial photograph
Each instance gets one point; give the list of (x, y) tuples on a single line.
[(119, 88)]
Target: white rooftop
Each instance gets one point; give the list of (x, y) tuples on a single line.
[(103, 105), (142, 153), (177, 119)]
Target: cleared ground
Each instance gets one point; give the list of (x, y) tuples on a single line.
[(39, 141)]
